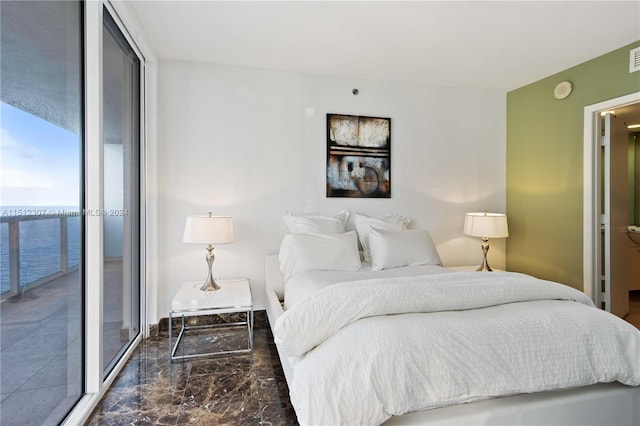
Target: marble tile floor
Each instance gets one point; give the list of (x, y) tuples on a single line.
[(228, 390)]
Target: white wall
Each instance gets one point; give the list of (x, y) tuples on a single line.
[(252, 144)]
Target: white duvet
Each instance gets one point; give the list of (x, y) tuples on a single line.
[(371, 349)]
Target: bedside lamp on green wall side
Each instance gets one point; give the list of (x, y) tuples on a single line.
[(208, 230), (486, 225)]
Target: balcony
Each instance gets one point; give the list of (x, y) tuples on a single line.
[(41, 316), (37, 248)]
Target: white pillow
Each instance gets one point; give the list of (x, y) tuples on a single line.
[(390, 249), (319, 252), (305, 224), (390, 222)]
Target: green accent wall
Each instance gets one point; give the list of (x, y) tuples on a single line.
[(544, 165), (634, 178)]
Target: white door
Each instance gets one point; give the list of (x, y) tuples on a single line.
[(615, 216)]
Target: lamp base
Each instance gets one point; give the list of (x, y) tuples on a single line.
[(210, 284), (485, 265)]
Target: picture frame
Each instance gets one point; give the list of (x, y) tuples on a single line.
[(358, 156)]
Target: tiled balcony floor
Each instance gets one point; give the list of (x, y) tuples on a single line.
[(40, 362)]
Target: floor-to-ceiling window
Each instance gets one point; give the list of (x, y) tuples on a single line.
[(121, 193), (70, 210), (41, 187)]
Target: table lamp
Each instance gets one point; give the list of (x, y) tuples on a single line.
[(486, 225), (208, 230)]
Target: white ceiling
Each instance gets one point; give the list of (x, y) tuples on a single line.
[(499, 45)]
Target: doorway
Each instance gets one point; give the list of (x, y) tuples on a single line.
[(610, 201)]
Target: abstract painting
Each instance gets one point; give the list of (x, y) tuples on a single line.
[(358, 156)]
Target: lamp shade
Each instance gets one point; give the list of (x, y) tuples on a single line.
[(486, 225), (208, 230)]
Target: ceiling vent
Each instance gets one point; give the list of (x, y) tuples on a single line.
[(634, 60)]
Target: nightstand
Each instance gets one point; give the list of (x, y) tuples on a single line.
[(234, 296), (470, 268)]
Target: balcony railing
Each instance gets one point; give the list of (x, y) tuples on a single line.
[(37, 248)]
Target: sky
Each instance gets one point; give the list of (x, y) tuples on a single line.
[(39, 161)]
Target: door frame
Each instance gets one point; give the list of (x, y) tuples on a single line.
[(591, 190), (95, 384)]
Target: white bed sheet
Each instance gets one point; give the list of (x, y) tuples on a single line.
[(301, 286)]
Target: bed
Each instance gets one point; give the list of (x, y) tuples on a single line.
[(416, 343)]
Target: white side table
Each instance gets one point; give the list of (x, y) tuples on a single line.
[(233, 296)]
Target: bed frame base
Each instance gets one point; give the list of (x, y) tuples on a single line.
[(597, 405)]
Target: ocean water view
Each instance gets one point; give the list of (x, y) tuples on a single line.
[(40, 242)]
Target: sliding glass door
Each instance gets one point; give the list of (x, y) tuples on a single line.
[(121, 190), (53, 257), (41, 231)]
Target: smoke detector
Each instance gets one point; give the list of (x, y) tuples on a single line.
[(562, 90)]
